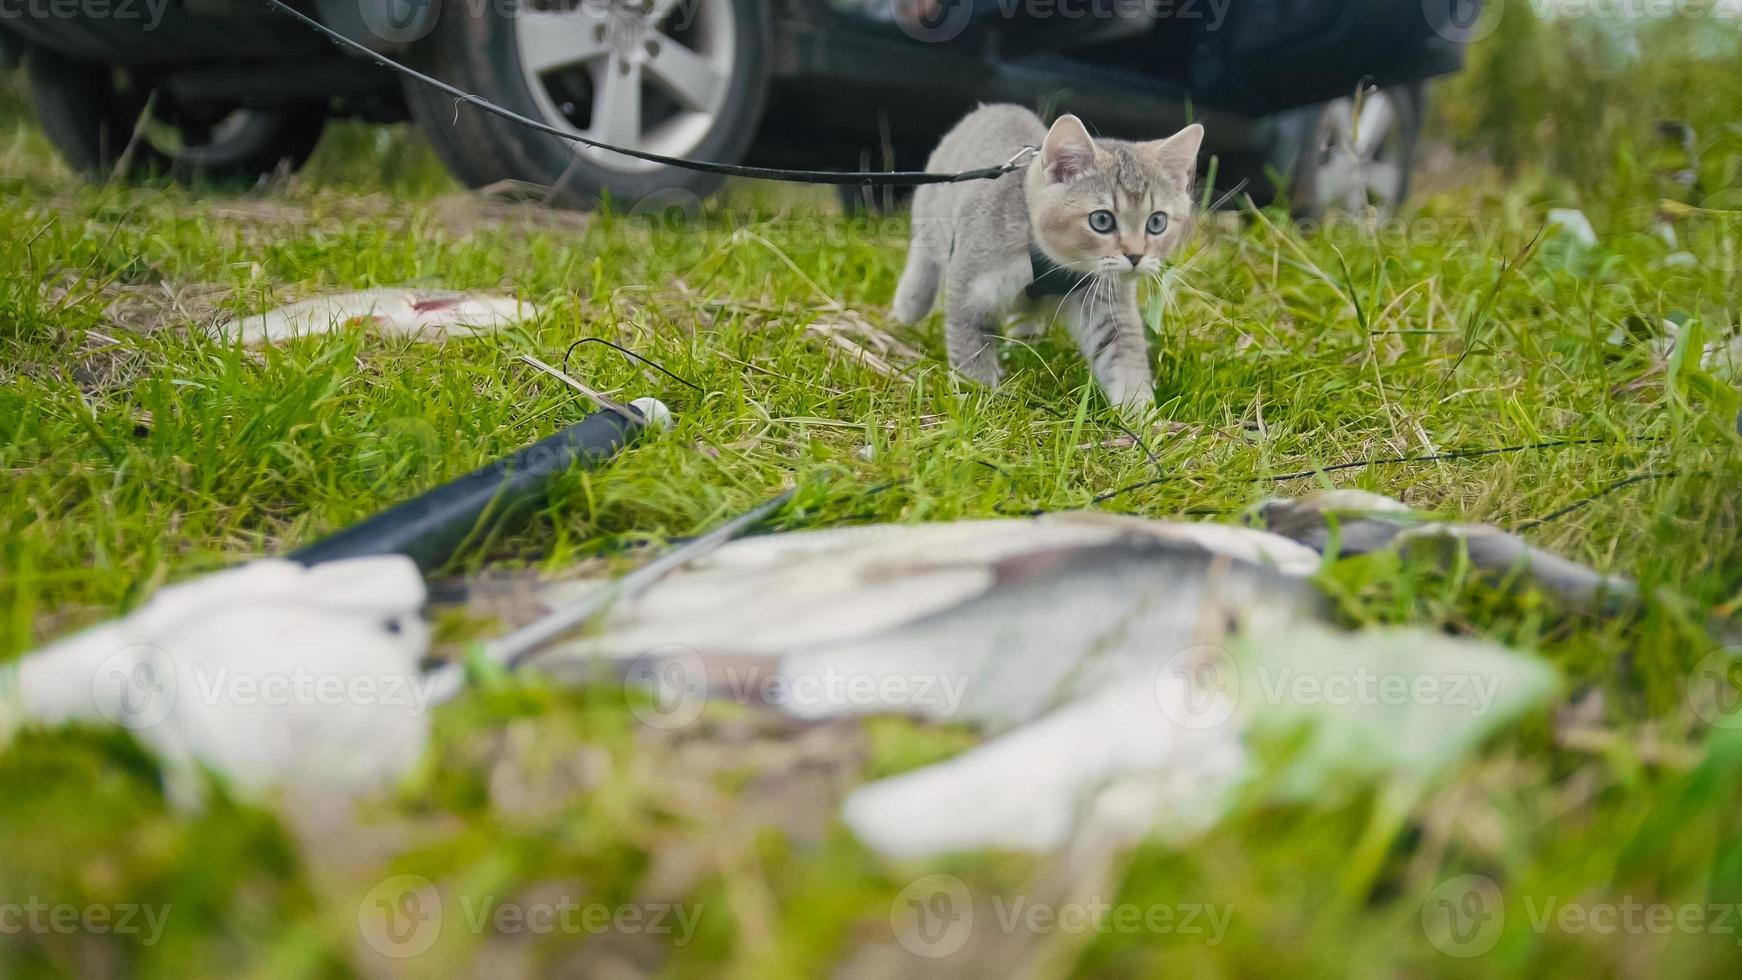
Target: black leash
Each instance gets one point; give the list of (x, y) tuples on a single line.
[(626, 352), (1449, 454), (1637, 478), (866, 178)]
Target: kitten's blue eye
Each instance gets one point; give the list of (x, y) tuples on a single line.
[(1101, 221), (1157, 223)]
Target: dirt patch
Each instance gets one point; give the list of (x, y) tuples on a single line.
[(464, 214), (146, 308)]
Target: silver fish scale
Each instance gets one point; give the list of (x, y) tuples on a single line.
[(1058, 624)]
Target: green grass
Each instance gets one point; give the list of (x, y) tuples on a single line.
[(137, 452)]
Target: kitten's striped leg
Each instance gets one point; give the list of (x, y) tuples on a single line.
[(1107, 328), (971, 315)]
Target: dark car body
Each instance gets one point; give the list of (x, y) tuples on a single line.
[(847, 86)]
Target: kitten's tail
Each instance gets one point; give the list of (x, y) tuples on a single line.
[(918, 288)]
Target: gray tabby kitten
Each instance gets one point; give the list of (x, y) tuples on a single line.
[(1107, 210)]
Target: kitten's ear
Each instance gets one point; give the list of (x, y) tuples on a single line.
[(1179, 152), (1067, 152)]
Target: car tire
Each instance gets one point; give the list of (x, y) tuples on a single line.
[(89, 113), (700, 88), (1341, 162)]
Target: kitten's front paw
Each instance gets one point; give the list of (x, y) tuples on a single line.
[(1134, 401), (983, 368)]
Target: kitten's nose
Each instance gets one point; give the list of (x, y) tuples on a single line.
[(1134, 259)]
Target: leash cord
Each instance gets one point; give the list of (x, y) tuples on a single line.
[(865, 178)]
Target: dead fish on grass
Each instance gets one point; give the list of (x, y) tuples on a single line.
[(1120, 665), (1360, 523), (996, 644), (421, 314)]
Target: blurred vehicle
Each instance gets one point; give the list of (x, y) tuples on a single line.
[(228, 89)]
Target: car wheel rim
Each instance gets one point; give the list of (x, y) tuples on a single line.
[(647, 74), (1361, 155)]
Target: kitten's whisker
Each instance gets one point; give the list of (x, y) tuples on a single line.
[(1055, 269), (1088, 298), (1066, 298)]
